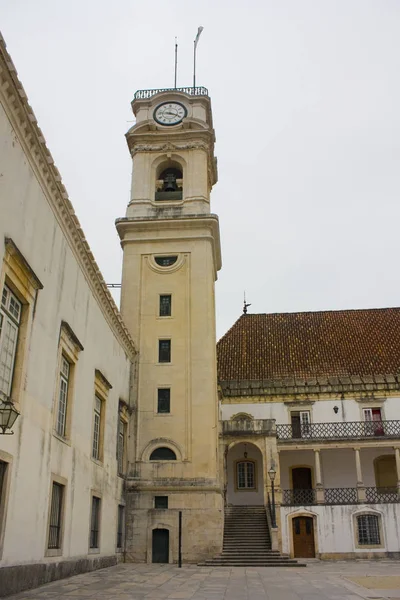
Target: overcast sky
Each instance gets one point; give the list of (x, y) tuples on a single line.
[(305, 97)]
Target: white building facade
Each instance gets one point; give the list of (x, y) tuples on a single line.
[(333, 437), (66, 362)]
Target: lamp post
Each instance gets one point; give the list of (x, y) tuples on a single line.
[(8, 414), (272, 475)]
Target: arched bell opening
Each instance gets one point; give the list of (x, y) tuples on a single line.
[(169, 182), (245, 480)]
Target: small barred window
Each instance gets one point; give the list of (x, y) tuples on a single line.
[(368, 530)]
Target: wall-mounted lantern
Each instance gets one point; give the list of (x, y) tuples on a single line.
[(8, 414), (336, 410)]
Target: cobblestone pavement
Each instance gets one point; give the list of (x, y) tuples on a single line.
[(318, 581)]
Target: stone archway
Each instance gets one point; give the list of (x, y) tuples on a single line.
[(245, 475)]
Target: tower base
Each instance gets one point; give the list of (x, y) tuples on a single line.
[(202, 526)]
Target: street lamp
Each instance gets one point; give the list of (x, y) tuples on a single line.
[(272, 475), (8, 414)]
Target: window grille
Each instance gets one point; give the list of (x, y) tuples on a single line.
[(96, 428), (165, 305), (164, 351), (163, 400), (10, 314), (95, 523), (120, 526), (63, 397), (121, 445), (55, 516), (160, 501), (166, 261), (245, 475), (368, 530)]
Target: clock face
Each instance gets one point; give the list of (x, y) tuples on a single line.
[(170, 113)]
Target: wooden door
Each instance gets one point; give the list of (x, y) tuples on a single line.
[(160, 546), (303, 537)]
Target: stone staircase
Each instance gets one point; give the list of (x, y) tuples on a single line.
[(247, 541)]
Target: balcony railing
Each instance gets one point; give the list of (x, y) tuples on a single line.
[(381, 495), (248, 427), (192, 91), (339, 430), (307, 497), (298, 497)]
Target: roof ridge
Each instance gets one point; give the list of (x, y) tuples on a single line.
[(315, 312)]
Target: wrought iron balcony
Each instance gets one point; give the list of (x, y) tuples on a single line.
[(248, 427), (332, 496), (338, 430), (192, 91)]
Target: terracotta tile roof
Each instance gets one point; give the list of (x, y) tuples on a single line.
[(329, 343)]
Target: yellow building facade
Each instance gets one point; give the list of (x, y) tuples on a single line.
[(171, 247)]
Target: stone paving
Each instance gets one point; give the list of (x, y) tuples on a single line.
[(338, 580)]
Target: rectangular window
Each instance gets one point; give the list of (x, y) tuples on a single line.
[(373, 421), (245, 475), (10, 315), (160, 501), (164, 351), (121, 446), (368, 530), (3, 469), (97, 428), (56, 516), (120, 525), (163, 400), (165, 305), (95, 522), (300, 421), (63, 397)]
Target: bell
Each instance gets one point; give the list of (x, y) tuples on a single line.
[(170, 183)]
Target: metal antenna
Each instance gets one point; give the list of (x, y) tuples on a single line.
[(196, 41), (176, 61), (245, 304)]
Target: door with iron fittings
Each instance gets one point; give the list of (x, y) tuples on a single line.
[(303, 537)]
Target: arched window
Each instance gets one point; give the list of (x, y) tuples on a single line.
[(246, 475), (368, 533), (169, 184), (163, 454)]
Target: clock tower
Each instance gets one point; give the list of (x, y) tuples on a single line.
[(171, 247)]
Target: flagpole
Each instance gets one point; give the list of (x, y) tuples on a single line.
[(196, 41), (176, 62)]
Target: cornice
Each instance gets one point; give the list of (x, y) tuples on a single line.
[(133, 230), (24, 123)]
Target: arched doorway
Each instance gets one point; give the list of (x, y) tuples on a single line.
[(303, 537), (160, 546), (245, 481)]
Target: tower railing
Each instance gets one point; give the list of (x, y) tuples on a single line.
[(191, 91)]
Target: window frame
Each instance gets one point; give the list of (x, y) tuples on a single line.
[(97, 425), (167, 314), (101, 392), (56, 513), (95, 533), (120, 527), (161, 500), (160, 400), (360, 545), (161, 341), (63, 392), (62, 482), (69, 348), (246, 488), (121, 445), (7, 318), (7, 459), (20, 278)]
